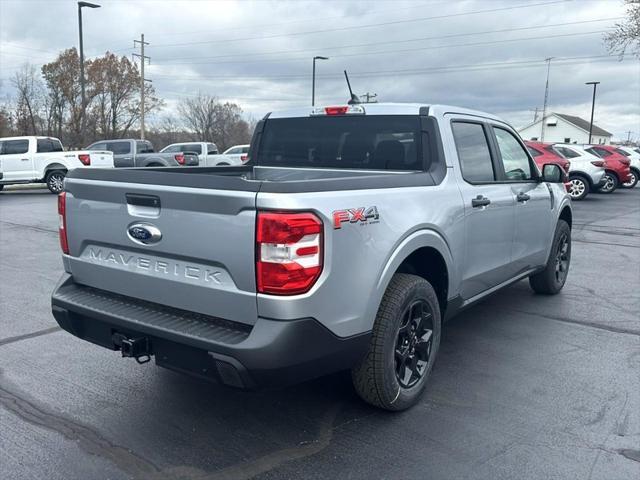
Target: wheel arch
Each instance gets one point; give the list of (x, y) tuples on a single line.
[(582, 175), (567, 215), (53, 166)]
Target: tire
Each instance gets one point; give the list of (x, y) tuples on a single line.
[(395, 347), (578, 187), (551, 280), (611, 183), (1, 187), (222, 164), (55, 181), (634, 179)]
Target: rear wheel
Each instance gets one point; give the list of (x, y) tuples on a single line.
[(610, 183), (578, 187), (633, 180), (1, 187), (403, 347), (55, 181), (222, 164), (551, 280)]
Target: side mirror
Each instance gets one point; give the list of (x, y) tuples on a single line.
[(553, 173)]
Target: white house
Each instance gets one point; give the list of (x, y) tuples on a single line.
[(565, 129)]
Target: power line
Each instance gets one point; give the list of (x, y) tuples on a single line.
[(405, 50), (357, 27), (419, 71), (386, 42)]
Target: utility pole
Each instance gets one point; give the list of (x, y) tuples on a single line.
[(313, 78), (143, 58), (628, 132), (83, 106), (593, 106), (535, 114), (370, 97), (546, 98)]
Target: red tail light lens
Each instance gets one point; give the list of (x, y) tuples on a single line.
[(244, 157), (85, 159), (625, 161), (179, 158), (598, 163), (288, 252), (62, 228)]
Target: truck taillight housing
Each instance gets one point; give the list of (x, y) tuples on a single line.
[(244, 157), (85, 159), (62, 228), (289, 254), (179, 158)]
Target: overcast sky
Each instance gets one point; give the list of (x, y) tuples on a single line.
[(483, 54)]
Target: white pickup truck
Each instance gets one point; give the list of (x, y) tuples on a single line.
[(43, 160)]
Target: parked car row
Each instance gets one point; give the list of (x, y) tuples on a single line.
[(33, 159), (591, 168)]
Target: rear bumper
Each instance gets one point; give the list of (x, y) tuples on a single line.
[(269, 353)]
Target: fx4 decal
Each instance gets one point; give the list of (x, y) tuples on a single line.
[(362, 215)]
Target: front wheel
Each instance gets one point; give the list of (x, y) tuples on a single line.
[(551, 280), (610, 183), (404, 344), (1, 187), (578, 188), (633, 180), (55, 181)]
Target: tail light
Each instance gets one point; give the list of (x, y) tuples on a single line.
[(625, 161), (567, 166), (62, 228), (179, 158), (288, 252), (85, 159), (598, 163), (339, 110), (244, 157)]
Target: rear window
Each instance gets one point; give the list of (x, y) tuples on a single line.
[(47, 145), (375, 142), (119, 148)]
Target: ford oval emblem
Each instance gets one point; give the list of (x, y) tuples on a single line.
[(144, 233)]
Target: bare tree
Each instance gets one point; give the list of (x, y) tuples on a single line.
[(29, 100), (214, 121), (626, 35)]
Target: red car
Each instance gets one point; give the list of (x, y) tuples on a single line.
[(544, 153), (617, 166)]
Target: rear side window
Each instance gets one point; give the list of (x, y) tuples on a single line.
[(172, 149), (15, 147), (46, 145), (246, 150), (534, 153), (212, 149), (473, 152), (360, 142), (143, 147), (97, 146), (622, 152), (601, 152), (566, 152), (119, 148), (514, 157), (192, 148)]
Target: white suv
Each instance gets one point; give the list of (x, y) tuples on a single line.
[(634, 157), (586, 172)]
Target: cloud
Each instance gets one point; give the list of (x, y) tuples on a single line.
[(258, 54)]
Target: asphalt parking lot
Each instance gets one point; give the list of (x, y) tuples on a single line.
[(526, 386)]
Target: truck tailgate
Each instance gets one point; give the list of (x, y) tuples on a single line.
[(101, 159), (203, 261)]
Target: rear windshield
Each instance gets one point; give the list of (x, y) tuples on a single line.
[(390, 142)]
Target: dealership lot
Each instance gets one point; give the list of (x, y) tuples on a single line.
[(525, 386)]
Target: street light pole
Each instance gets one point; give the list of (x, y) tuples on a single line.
[(83, 98), (593, 106), (313, 80)]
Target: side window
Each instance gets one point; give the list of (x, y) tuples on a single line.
[(514, 157), (601, 152), (246, 149), (173, 149), (534, 153), (44, 145), (15, 147), (212, 149), (118, 148), (566, 152), (234, 151), (98, 146), (473, 152), (193, 148)]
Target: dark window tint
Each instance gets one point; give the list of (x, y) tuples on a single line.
[(473, 152), (567, 140), (245, 149), (119, 148), (192, 148), (46, 145), (622, 152), (601, 152), (534, 152), (143, 146), (172, 149), (566, 152), (15, 147), (358, 141), (212, 149), (514, 158), (97, 146)]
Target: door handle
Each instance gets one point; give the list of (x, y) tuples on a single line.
[(24, 159), (523, 197), (480, 201)]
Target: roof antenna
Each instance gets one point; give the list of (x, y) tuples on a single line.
[(354, 98)]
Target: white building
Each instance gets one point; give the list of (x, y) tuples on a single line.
[(564, 129)]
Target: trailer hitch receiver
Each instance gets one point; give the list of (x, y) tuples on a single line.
[(137, 348)]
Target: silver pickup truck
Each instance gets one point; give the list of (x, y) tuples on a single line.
[(346, 240), (140, 153)]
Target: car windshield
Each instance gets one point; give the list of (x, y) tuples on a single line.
[(360, 142)]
